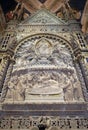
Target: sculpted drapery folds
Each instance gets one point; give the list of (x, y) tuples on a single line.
[(44, 68), (47, 75), (44, 74)]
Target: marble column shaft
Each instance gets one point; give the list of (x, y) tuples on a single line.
[(5, 85), (3, 71)]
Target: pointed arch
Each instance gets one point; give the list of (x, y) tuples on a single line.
[(71, 45)]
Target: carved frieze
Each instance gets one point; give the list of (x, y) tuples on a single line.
[(48, 123)]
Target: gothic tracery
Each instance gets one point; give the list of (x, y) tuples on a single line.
[(43, 72)]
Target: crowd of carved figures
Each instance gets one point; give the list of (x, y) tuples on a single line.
[(58, 81), (41, 70), (30, 55), (66, 87)]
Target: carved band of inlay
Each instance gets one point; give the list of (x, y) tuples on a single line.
[(47, 123)]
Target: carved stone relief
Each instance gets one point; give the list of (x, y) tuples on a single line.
[(44, 17), (50, 123), (63, 30), (44, 72), (45, 22)]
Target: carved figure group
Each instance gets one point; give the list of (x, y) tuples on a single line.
[(66, 86), (60, 83), (16, 89)]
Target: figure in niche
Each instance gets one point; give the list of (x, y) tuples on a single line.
[(43, 48), (12, 91), (29, 84), (72, 91), (77, 92), (68, 88), (68, 93), (16, 90), (21, 86)]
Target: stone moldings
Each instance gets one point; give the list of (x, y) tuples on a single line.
[(49, 123), (44, 17), (44, 72), (48, 76)]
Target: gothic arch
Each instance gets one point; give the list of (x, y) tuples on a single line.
[(71, 45), (43, 80)]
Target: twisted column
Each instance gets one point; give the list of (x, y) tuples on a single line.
[(84, 71), (82, 74), (3, 71), (5, 85)]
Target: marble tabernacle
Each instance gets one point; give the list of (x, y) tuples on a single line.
[(43, 74)]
